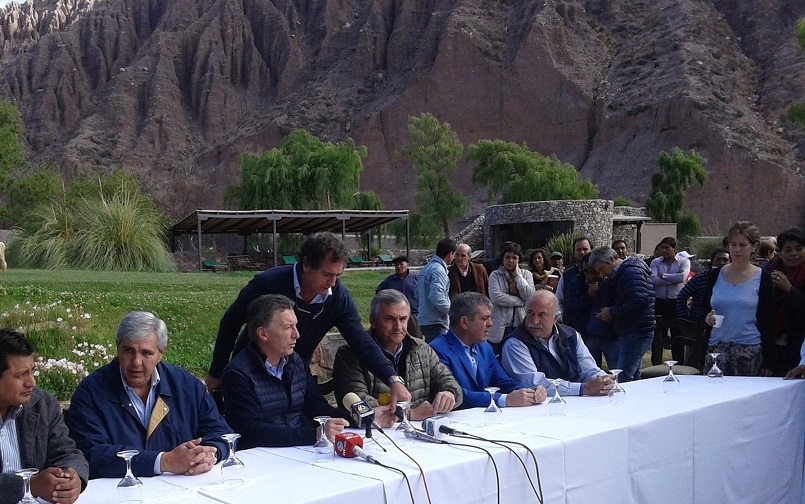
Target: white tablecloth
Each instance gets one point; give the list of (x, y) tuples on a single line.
[(736, 440)]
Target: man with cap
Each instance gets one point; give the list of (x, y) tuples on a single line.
[(557, 261), (404, 280)]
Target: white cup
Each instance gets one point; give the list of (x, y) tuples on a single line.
[(719, 320)]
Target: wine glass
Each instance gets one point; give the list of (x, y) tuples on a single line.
[(617, 394), (130, 488), (715, 371), (405, 423), (670, 385), (557, 405), (26, 474), (492, 413), (233, 471), (323, 446)]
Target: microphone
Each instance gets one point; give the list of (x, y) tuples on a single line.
[(415, 434), (431, 426), (358, 452), (444, 429), (346, 442), (362, 414)]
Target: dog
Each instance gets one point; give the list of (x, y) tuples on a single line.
[(3, 264)]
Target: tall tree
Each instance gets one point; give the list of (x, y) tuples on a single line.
[(513, 174), (669, 188), (434, 151), (303, 173), (12, 155)]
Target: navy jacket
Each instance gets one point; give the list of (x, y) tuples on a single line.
[(603, 298), (267, 411), (490, 373), (314, 321), (633, 311), (577, 303), (103, 422)]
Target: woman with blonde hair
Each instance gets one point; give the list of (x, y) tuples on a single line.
[(744, 295)]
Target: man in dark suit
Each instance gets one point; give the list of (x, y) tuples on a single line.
[(465, 351), (32, 431)]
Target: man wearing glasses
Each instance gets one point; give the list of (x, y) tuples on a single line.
[(321, 302)]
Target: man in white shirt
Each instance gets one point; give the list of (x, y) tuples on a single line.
[(541, 349)]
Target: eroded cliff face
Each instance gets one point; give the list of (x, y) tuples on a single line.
[(177, 90)]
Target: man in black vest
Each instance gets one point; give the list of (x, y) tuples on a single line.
[(541, 349)]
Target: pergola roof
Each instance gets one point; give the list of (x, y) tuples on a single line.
[(287, 221)]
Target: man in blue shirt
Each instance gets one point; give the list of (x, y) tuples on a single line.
[(465, 351), (405, 281), (541, 349), (433, 290)]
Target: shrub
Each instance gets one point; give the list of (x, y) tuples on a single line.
[(563, 243), (795, 114), (799, 31), (622, 201)]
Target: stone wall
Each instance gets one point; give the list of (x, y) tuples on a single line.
[(590, 217)]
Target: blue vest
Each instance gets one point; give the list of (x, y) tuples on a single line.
[(567, 367)]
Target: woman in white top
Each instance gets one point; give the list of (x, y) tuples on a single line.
[(509, 288), (744, 295), (669, 272)]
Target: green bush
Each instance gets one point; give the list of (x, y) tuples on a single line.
[(800, 33), (704, 247), (795, 114), (622, 201), (563, 243)]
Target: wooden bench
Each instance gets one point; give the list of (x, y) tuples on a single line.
[(244, 263), (214, 266)]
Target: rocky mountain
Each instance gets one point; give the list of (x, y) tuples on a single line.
[(177, 90)]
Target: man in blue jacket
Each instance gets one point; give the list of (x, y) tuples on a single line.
[(136, 402), (320, 302), (633, 311), (465, 351), (433, 290)]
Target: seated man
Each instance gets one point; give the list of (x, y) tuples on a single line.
[(432, 386), (465, 351), (541, 348), (136, 402), (269, 394), (32, 431)]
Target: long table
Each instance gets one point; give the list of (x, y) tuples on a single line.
[(736, 440)]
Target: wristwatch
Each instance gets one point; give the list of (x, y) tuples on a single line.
[(396, 379)]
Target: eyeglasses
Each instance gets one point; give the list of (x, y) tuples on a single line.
[(309, 312)]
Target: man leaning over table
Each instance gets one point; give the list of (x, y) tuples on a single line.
[(137, 402), (432, 386), (269, 394), (32, 431), (541, 349), (465, 351)]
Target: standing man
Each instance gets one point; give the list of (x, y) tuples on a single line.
[(433, 290), (541, 349), (404, 280), (470, 357), (321, 302), (557, 262), (620, 247), (32, 431), (575, 298), (433, 388), (694, 288), (668, 275), (633, 311), (136, 402), (466, 276)]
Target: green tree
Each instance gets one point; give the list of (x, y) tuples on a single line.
[(303, 173), (514, 173), (12, 155), (800, 33), (669, 187), (434, 151)]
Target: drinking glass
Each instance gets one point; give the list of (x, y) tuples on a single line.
[(715, 371), (233, 471), (492, 413), (405, 423), (323, 447), (130, 488), (670, 385), (557, 405), (617, 394), (26, 474)]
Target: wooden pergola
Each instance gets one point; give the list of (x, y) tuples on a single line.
[(247, 222)]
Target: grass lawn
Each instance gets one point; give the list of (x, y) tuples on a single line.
[(191, 304)]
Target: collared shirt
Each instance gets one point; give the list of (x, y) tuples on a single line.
[(276, 371), (472, 354), (10, 443), (673, 276), (320, 298), (406, 285), (395, 357), (517, 361), (144, 409)]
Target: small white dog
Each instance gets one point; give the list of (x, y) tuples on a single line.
[(3, 264)]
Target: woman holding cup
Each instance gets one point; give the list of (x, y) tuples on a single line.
[(744, 295)]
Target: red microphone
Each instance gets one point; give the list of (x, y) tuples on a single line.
[(346, 442)]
